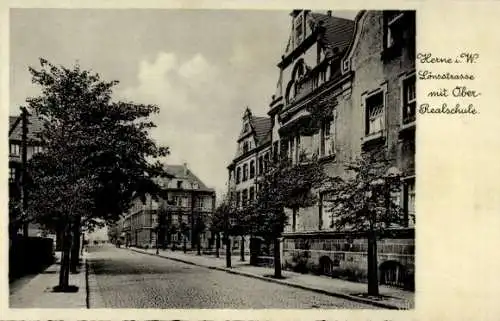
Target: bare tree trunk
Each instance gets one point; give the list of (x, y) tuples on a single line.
[(65, 259), (75, 249), (242, 248), (217, 244), (228, 252), (277, 258), (198, 243)]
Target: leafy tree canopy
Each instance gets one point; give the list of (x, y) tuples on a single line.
[(97, 151), (366, 201)]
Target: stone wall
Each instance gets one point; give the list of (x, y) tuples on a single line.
[(339, 254)]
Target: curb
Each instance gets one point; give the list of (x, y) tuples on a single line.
[(282, 282)]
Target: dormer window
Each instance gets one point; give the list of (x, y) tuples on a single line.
[(246, 146), (299, 30)]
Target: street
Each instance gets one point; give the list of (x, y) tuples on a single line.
[(126, 279)]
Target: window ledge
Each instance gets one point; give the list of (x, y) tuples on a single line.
[(326, 158), (407, 126), (407, 129), (373, 137)]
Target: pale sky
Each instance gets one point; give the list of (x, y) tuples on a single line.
[(201, 67)]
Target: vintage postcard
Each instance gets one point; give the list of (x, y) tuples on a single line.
[(250, 160)]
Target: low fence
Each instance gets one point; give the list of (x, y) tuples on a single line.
[(29, 255)]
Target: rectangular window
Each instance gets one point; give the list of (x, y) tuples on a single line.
[(276, 151), (261, 165), (245, 147), (238, 175), (238, 196), (245, 172), (252, 169), (409, 100), (326, 138), (37, 149), (15, 149), (244, 197), (409, 202), (179, 184), (12, 174), (374, 113), (393, 28), (298, 31), (252, 194)]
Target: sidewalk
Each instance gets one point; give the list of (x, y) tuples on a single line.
[(37, 293), (394, 298)]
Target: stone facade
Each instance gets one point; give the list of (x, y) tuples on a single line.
[(249, 164), (185, 201), (370, 85)]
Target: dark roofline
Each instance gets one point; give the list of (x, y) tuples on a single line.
[(250, 152), (355, 35)]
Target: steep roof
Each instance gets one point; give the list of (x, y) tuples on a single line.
[(262, 128), (35, 126), (338, 31), (181, 172)]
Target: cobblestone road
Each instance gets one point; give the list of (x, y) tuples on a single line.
[(120, 278)]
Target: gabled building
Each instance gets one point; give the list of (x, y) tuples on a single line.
[(251, 158), (359, 78), (250, 162), (311, 82), (344, 87), (32, 128), (173, 218)]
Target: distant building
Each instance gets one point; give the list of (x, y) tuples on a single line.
[(34, 145), (174, 217)]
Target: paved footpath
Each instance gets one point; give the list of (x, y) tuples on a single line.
[(394, 298), (37, 293)]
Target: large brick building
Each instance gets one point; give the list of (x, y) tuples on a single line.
[(364, 71), (187, 201)]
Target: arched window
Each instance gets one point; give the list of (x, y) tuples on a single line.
[(238, 175), (245, 172), (252, 169)]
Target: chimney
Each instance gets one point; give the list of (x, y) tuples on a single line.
[(329, 13), (185, 169)]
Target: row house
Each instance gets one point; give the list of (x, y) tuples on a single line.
[(175, 216), (251, 160), (362, 75), (32, 128), (359, 77)]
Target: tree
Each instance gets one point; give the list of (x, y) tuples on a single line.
[(98, 154), (217, 224), (199, 227), (284, 185), (363, 204), (227, 218), (184, 229)]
